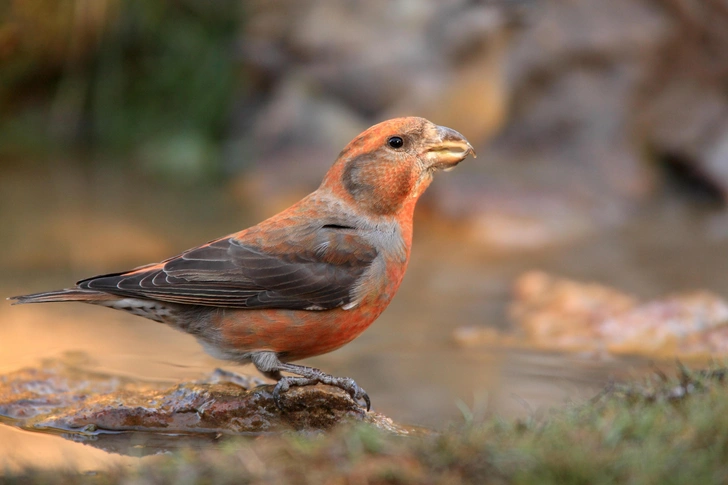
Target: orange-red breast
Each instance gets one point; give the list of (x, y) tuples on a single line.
[(309, 279)]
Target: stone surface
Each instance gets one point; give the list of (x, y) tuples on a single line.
[(58, 397)]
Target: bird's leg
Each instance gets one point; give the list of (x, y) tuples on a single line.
[(269, 365)]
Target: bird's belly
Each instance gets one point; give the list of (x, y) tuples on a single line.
[(293, 334)]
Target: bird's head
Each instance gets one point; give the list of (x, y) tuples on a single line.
[(393, 162)]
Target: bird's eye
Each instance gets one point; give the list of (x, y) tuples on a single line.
[(395, 142)]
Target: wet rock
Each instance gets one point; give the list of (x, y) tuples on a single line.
[(562, 314), (61, 398)]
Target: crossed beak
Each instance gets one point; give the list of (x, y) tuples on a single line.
[(449, 149)]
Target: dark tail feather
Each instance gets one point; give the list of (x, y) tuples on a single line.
[(68, 294)]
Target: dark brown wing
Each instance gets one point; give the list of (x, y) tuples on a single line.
[(318, 271)]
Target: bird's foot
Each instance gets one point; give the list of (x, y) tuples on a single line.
[(227, 377), (311, 376), (285, 383)]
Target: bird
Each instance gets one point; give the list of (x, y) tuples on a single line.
[(305, 281)]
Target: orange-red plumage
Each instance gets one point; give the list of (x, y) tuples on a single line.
[(305, 281)]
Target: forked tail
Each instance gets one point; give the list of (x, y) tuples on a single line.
[(68, 294)]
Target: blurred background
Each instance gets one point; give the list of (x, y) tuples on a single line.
[(133, 129)]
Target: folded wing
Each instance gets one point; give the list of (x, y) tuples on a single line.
[(317, 270)]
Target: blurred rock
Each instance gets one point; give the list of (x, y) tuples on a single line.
[(294, 141), (332, 69), (565, 162), (683, 107), (568, 93), (561, 314), (63, 398), (676, 324), (463, 86)]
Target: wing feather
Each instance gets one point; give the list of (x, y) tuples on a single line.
[(319, 269)]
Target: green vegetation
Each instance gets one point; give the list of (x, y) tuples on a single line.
[(660, 431), (146, 80)]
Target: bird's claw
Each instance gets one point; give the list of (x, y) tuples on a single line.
[(349, 385), (344, 383)]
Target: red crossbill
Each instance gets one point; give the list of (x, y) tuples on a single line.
[(309, 279)]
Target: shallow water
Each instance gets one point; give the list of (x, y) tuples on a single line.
[(407, 360)]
